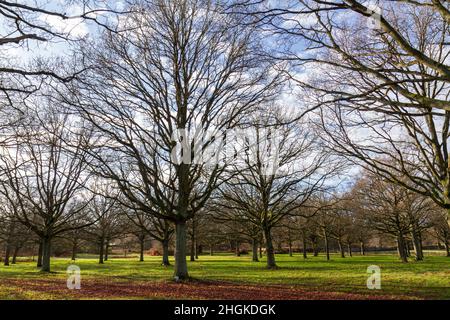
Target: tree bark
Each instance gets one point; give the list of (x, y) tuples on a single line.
[(237, 249), (192, 246), (141, 252), (271, 264), (107, 250), (290, 248), (165, 260), (74, 251), (305, 254), (315, 248), (180, 272), (15, 253), (349, 249), (447, 248), (7, 254), (341, 248), (255, 250), (363, 249), (40, 252), (101, 253), (46, 253), (417, 243), (327, 248), (402, 248)]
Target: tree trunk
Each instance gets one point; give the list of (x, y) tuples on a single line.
[(447, 249), (211, 250), (269, 249), (417, 243), (237, 249), (407, 249), (327, 248), (74, 251), (107, 250), (255, 250), (290, 248), (305, 254), (341, 248), (165, 246), (315, 248), (7, 254), (349, 249), (197, 249), (40, 253), (141, 252), (402, 248), (193, 244), (363, 249), (15, 253), (192, 253), (260, 250), (181, 271), (46, 253), (101, 253)]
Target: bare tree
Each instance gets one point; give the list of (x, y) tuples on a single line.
[(182, 69), (394, 210), (107, 220), (442, 229), (278, 173), (44, 173), (149, 225), (381, 76)]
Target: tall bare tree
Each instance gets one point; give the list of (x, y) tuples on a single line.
[(44, 174), (380, 72), (281, 169), (182, 68)]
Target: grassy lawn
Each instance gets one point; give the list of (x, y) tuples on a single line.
[(417, 280)]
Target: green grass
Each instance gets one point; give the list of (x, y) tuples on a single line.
[(426, 279)]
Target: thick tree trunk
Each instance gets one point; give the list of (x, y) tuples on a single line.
[(7, 254), (315, 248), (107, 250), (341, 248), (417, 243), (402, 248), (271, 264), (363, 248), (74, 251), (181, 271), (349, 249), (165, 246), (141, 252), (327, 248), (15, 253), (260, 250), (408, 248), (255, 250), (40, 252), (101, 253), (46, 254)]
